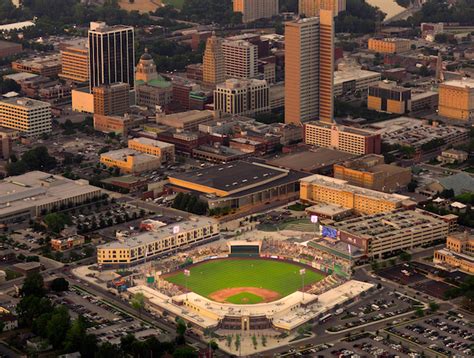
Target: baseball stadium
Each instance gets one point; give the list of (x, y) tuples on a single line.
[(247, 288)]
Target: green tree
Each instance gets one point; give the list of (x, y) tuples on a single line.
[(405, 256), (58, 326), (56, 221), (33, 286), (59, 284), (185, 352), (138, 302), (433, 306)]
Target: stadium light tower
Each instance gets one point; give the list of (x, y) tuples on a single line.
[(302, 274), (187, 273)]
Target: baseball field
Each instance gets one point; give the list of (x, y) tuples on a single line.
[(244, 281)]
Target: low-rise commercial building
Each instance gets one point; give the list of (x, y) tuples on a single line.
[(389, 45), (458, 253), (130, 161), (36, 193), (322, 189), (456, 99), (66, 243), (387, 96), (351, 80), (48, 66), (343, 138), (151, 244), (162, 150), (371, 172), (451, 156), (187, 121), (389, 233), (29, 116), (117, 124)]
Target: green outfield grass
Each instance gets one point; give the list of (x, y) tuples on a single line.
[(245, 298), (274, 275)]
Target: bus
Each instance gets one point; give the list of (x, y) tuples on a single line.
[(325, 318)]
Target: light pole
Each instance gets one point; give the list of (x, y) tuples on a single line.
[(187, 273), (302, 273)]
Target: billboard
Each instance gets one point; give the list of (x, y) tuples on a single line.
[(329, 232)]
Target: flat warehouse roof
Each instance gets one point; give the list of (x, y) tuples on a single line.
[(236, 175)]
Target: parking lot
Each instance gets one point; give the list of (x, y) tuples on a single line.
[(382, 305), (448, 334), (107, 323), (403, 274)]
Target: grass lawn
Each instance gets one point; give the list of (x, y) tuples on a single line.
[(245, 297), (176, 3), (215, 275)]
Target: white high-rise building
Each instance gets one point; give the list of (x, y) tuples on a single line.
[(244, 97), (240, 58)]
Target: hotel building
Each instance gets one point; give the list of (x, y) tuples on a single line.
[(243, 97), (240, 58), (149, 245), (29, 116), (347, 139), (111, 54), (317, 189), (456, 99), (256, 9), (309, 69)]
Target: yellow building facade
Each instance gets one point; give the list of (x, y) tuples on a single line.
[(456, 99), (75, 64), (321, 189), (459, 252), (162, 150), (130, 161), (389, 45)]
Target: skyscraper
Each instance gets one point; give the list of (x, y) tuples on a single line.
[(213, 61), (111, 54), (256, 9), (240, 58), (311, 8), (309, 64)]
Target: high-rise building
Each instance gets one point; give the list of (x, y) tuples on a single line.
[(256, 9), (456, 99), (240, 58), (29, 116), (111, 54), (75, 63), (311, 8), (213, 61), (111, 99), (245, 97), (309, 69)]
